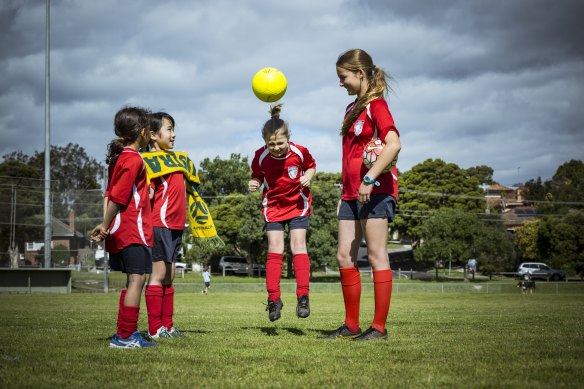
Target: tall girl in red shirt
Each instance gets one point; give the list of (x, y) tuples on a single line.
[(285, 169), (369, 195), (168, 217), (126, 225)]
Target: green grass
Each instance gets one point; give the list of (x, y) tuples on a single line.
[(446, 340)]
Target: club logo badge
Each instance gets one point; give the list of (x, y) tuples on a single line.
[(358, 127), (293, 172)]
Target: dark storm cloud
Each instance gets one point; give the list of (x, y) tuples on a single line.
[(507, 36), (495, 83)]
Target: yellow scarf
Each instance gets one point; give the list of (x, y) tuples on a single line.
[(161, 163)]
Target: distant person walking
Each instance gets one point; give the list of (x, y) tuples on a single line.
[(207, 280)]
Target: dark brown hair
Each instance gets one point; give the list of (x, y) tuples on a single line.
[(128, 123)]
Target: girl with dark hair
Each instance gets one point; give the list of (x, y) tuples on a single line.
[(369, 196), (126, 225), (169, 210)]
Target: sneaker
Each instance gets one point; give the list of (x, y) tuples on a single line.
[(303, 307), (371, 334), (133, 341), (274, 309), (162, 332), (174, 332), (342, 332)]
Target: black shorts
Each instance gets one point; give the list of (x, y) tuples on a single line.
[(381, 206), (166, 244), (296, 223), (207, 284), (134, 259)]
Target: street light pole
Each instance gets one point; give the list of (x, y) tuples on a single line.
[(47, 142)]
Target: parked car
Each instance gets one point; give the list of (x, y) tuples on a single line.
[(239, 265), (181, 266), (540, 270), (234, 264)]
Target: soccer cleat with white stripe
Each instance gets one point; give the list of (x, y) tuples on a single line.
[(133, 341)]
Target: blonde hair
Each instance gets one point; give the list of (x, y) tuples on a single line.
[(355, 60), (275, 124)]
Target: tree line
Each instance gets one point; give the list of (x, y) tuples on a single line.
[(441, 211)]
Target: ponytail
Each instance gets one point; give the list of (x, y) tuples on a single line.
[(275, 124)]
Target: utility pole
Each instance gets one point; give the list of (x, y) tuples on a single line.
[(47, 142)]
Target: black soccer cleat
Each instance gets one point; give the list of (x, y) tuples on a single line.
[(371, 334), (303, 307), (342, 332), (274, 309)]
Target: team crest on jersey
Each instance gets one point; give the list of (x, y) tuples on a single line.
[(358, 127), (293, 172)]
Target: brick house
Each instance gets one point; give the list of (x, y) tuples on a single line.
[(515, 210), (62, 234)]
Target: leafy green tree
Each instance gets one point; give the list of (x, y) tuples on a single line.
[(457, 235), (323, 229), (221, 177), (483, 173), (568, 182), (75, 180), (448, 233), (560, 241), (433, 185), (21, 190), (526, 240)]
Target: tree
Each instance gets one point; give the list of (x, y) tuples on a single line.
[(21, 192), (560, 242), (483, 173), (221, 177), (433, 185), (526, 240), (75, 180), (323, 232), (459, 235)]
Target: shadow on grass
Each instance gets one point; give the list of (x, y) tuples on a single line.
[(273, 331)]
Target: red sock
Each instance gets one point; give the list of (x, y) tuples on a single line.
[(382, 283), (154, 295), (122, 297), (351, 284), (302, 271), (167, 306), (128, 320), (273, 275)]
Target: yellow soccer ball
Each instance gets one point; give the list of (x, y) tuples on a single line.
[(269, 85)]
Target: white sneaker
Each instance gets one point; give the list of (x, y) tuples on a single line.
[(161, 333)]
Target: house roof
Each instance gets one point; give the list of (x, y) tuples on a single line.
[(61, 229)]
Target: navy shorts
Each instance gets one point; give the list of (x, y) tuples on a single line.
[(134, 259), (166, 244), (296, 223), (207, 284), (380, 206)]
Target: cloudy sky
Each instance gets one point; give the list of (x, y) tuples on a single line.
[(497, 83)]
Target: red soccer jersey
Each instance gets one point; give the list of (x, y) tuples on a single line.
[(169, 205), (355, 140), (283, 197), (127, 187)]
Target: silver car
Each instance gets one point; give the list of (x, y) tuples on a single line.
[(540, 270)]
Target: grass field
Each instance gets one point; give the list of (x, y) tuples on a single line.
[(460, 340)]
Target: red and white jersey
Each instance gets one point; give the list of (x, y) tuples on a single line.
[(375, 116), (283, 197), (127, 186), (169, 205)]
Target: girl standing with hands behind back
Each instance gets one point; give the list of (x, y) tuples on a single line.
[(369, 196), (126, 225), (285, 169)]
